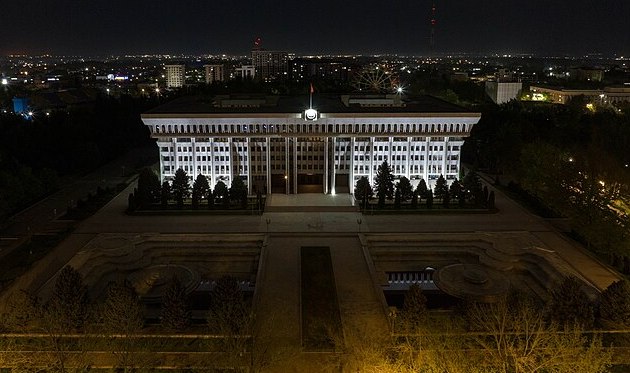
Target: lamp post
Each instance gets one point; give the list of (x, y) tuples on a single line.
[(268, 221)]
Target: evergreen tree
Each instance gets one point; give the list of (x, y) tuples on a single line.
[(166, 194), (210, 199), (238, 191), (472, 185), (446, 199), (422, 189), (570, 306), (491, 200), (175, 308), (148, 188), (406, 189), (440, 187), (455, 189), (384, 182), (363, 191), (181, 189), (397, 199), (414, 200), (222, 193), (69, 301), (200, 189)]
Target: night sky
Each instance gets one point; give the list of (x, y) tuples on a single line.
[(102, 27)]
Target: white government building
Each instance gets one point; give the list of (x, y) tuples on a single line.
[(281, 144)]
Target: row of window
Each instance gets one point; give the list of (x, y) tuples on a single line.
[(312, 128)]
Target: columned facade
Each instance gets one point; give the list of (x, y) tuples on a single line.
[(284, 153)]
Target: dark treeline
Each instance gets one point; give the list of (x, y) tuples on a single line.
[(571, 159), (33, 153)]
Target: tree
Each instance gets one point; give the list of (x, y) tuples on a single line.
[(210, 199), (414, 200), (363, 190), (422, 189), (230, 316), (384, 182), (181, 189), (491, 200), (122, 317), (148, 188), (238, 191), (69, 299), (406, 189), (569, 305), (200, 185), (222, 193), (455, 189), (440, 187), (519, 339), (166, 194), (446, 199), (472, 185), (65, 313), (175, 308), (429, 199), (414, 310), (200, 189), (614, 307), (20, 312)]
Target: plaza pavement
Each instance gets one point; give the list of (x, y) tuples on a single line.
[(279, 282)]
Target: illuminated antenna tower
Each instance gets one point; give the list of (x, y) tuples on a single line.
[(433, 22)]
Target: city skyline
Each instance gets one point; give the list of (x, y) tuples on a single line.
[(113, 27)]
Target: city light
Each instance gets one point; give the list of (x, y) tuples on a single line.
[(5, 81)]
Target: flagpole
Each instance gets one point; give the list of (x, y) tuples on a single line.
[(310, 106)]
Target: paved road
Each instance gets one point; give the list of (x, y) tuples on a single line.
[(41, 216)]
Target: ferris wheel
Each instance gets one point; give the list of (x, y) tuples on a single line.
[(374, 79)]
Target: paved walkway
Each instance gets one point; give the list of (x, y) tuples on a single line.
[(279, 296)]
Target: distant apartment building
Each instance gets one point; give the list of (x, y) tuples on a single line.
[(305, 69), (502, 92), (586, 74), (245, 72), (280, 144), (270, 65), (175, 76), (610, 95), (214, 73)]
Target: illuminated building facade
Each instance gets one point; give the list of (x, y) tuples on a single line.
[(214, 73), (276, 145), (270, 65), (175, 75)]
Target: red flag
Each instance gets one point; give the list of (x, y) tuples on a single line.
[(312, 90)]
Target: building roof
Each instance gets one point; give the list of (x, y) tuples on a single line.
[(237, 104)]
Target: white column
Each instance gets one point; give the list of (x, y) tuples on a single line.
[(249, 164), (295, 173), (351, 173), (268, 163), (372, 155), (408, 158), (176, 155), (325, 165), (286, 165), (212, 176), (332, 180), (426, 160), (231, 161), (444, 157), (194, 158)]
